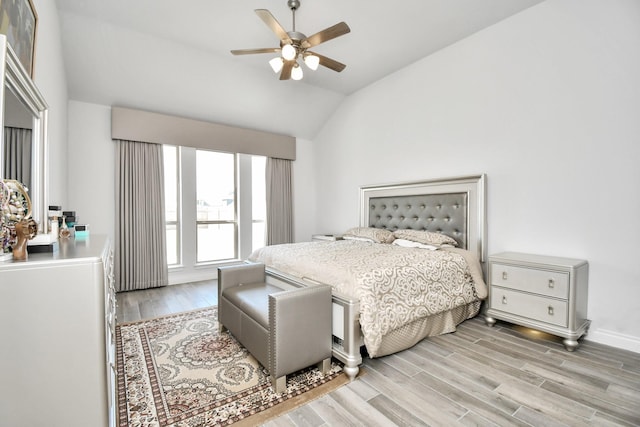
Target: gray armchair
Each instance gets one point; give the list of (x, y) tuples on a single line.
[(285, 329)]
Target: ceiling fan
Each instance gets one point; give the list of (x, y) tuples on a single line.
[(294, 45)]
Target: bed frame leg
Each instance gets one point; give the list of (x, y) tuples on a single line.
[(351, 371)]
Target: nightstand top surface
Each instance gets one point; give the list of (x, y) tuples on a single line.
[(536, 259)]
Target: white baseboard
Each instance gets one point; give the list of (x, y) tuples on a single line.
[(177, 278), (179, 275), (614, 339)]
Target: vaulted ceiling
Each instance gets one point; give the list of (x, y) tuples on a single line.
[(173, 57)]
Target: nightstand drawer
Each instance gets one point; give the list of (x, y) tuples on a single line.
[(531, 306), (550, 283)]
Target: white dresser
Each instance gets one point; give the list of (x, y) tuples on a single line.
[(541, 292), (57, 325)]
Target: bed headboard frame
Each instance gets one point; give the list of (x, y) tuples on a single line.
[(452, 206)]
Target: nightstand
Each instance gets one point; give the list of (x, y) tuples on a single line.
[(325, 237), (540, 292)]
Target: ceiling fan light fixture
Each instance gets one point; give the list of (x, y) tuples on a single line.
[(294, 45), (296, 72), (312, 61), (289, 52), (276, 64)]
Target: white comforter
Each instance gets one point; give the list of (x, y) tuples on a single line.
[(395, 285)]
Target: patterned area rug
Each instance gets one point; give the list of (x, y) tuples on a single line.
[(180, 371)]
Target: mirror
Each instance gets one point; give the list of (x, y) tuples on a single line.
[(23, 142)]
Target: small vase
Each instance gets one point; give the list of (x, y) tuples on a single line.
[(22, 236), (64, 230)]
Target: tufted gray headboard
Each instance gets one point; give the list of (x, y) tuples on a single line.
[(442, 213), (455, 207)]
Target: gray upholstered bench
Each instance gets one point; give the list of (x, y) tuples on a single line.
[(284, 329)]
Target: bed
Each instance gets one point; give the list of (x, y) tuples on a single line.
[(389, 294)]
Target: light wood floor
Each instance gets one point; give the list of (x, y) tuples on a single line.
[(477, 376)]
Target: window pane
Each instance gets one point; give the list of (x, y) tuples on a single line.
[(170, 182), (216, 242), (258, 188), (172, 244), (258, 201), (215, 186), (171, 203)]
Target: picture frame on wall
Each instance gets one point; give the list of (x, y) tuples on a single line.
[(18, 21)]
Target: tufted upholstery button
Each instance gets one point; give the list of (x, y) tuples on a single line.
[(395, 207), (422, 206)]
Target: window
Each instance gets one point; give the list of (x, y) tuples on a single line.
[(215, 207), (216, 218), (258, 201), (171, 203)]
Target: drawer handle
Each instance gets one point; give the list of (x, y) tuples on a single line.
[(504, 275), (552, 284), (504, 299), (550, 310)]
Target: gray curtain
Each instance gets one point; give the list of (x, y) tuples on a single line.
[(17, 154), (279, 201), (140, 256)]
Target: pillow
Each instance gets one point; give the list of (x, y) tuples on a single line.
[(411, 244), (376, 235), (425, 237), (359, 239)]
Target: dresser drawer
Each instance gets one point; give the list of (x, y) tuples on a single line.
[(549, 283), (535, 307)]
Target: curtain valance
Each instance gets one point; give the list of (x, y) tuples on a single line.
[(144, 126)]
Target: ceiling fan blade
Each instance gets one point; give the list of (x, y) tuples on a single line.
[(286, 70), (329, 63), (273, 24), (327, 34), (252, 51)]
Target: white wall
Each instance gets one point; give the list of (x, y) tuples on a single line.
[(304, 190), (91, 167), (547, 103)]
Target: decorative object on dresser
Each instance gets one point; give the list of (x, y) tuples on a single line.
[(57, 323), (541, 292), (16, 224)]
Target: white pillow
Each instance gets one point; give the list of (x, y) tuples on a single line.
[(359, 239), (411, 244), (426, 237)]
